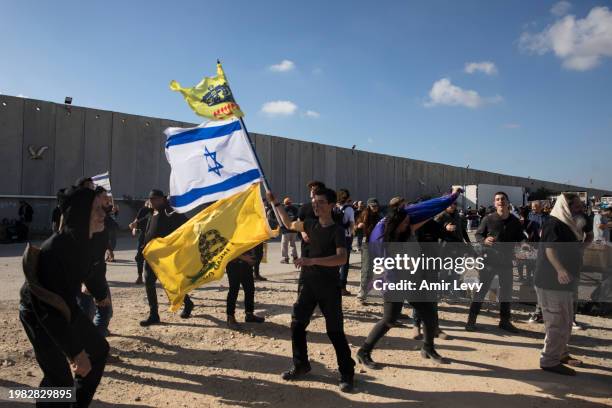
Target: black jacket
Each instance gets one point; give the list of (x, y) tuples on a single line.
[(65, 262)]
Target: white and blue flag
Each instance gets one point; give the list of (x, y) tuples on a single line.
[(103, 180), (209, 162)]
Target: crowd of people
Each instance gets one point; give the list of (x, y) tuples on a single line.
[(66, 304)]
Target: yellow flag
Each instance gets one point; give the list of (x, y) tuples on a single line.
[(198, 251), (211, 98)]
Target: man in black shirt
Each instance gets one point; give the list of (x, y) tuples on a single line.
[(138, 227), (556, 278), (319, 284), (162, 222), (307, 212), (495, 229)]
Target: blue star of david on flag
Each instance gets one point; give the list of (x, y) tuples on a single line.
[(211, 160)]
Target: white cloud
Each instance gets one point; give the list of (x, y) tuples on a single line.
[(312, 114), (22, 96), (443, 92), (279, 108), (561, 8), (579, 43), (486, 67), (511, 125), (284, 66)]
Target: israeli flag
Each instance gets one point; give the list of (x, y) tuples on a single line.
[(209, 162), (103, 180)]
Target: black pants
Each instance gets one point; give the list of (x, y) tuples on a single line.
[(240, 273), (329, 299), (150, 280), (418, 319), (391, 313), (505, 290), (344, 269), (140, 257), (258, 257), (53, 363)]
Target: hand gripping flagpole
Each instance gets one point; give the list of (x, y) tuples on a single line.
[(252, 149)]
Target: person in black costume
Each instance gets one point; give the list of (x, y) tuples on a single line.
[(63, 338), (398, 229), (161, 223)]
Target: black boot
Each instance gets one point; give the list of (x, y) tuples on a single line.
[(508, 326), (253, 318), (471, 323), (232, 323), (187, 308), (346, 382), (365, 357), (296, 372), (151, 320), (433, 354)]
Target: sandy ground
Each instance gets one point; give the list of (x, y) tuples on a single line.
[(199, 362)]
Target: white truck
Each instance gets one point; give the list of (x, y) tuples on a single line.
[(476, 195)]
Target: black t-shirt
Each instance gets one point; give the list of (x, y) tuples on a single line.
[(306, 212), (323, 242), (504, 230), (556, 234), (56, 215), (292, 212), (142, 219), (162, 224)]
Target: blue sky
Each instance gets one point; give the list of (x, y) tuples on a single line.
[(391, 77)]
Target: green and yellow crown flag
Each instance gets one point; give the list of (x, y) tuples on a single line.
[(198, 251), (212, 98)]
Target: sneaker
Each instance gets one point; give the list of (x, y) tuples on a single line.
[(139, 280), (260, 278), (577, 326), (253, 318), (569, 360), (346, 383), (296, 372), (508, 326), (345, 292), (151, 320), (433, 354), (365, 358), (560, 369), (284, 261), (187, 308), (535, 318)]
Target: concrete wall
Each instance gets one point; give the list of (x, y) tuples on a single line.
[(84, 141)]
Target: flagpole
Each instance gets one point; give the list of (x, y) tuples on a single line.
[(263, 176), (261, 172)]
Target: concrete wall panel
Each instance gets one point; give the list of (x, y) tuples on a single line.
[(97, 145), (147, 156), (11, 143), (292, 168), (330, 167), (318, 162), (306, 170), (263, 148), (278, 173), (69, 146), (124, 146), (38, 134)]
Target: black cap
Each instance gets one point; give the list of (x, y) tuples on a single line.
[(156, 193)]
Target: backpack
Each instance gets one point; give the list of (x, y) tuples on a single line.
[(338, 216)]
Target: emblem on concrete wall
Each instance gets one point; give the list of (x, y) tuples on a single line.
[(37, 154)]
